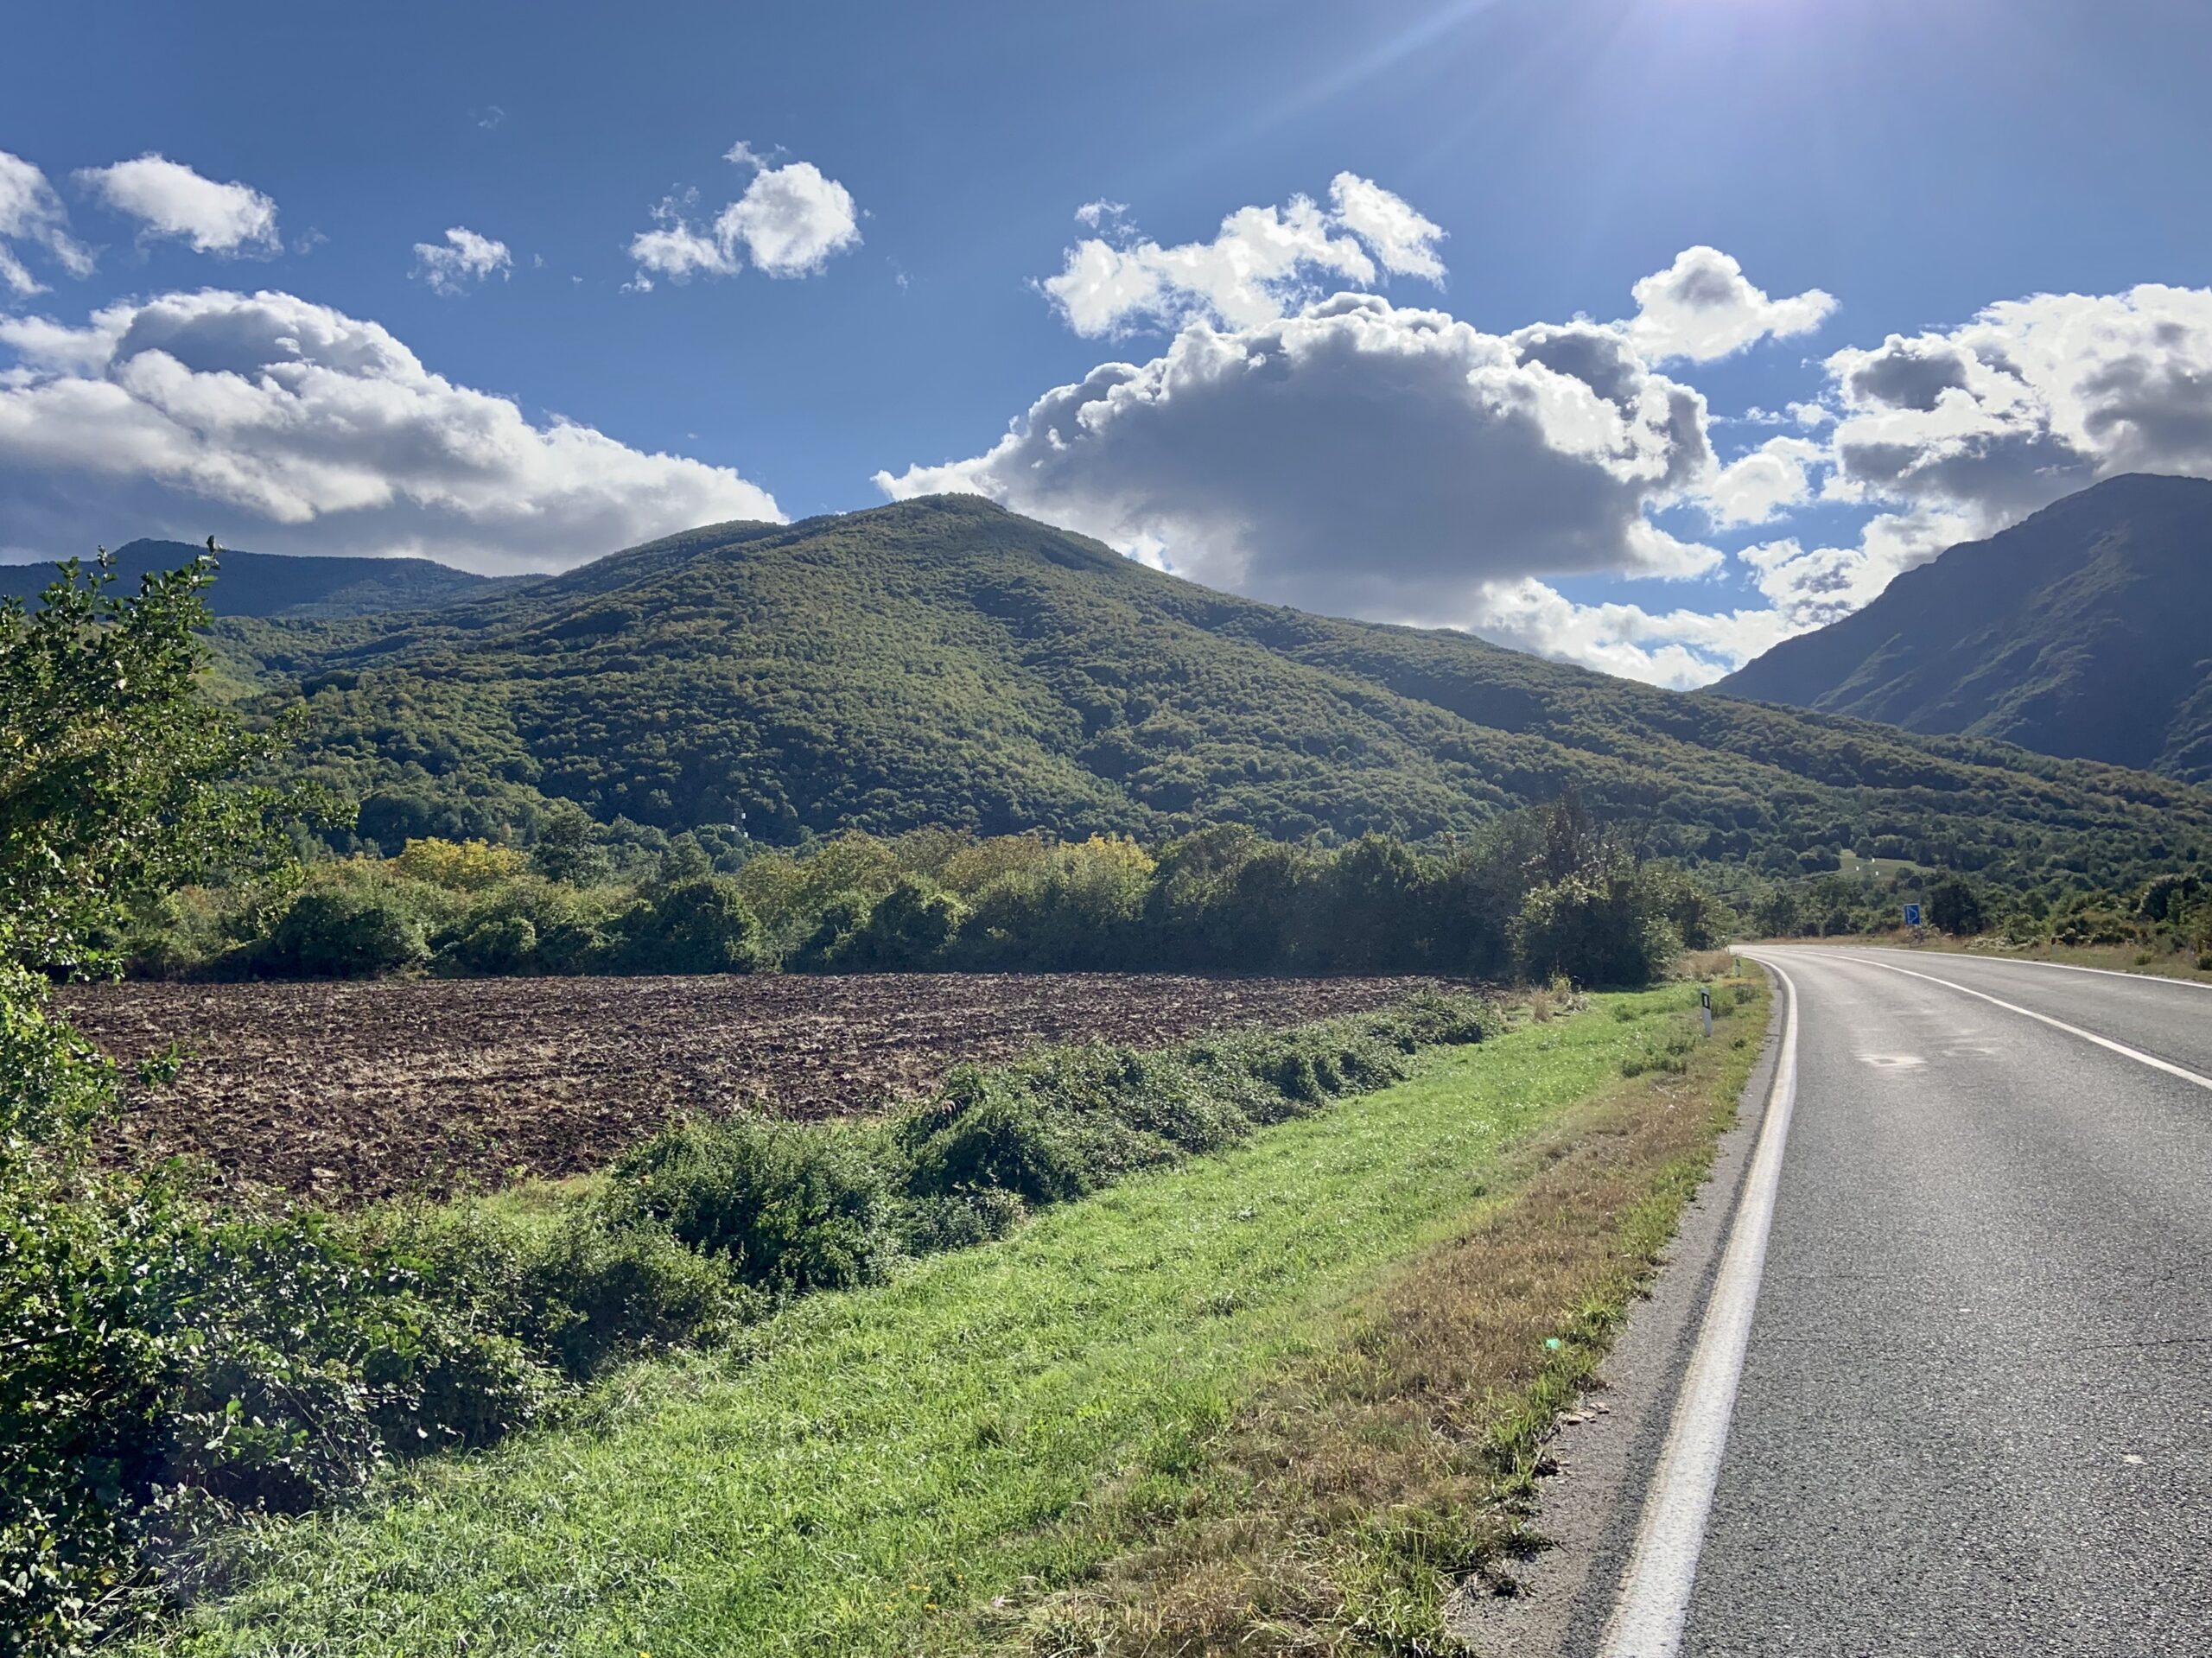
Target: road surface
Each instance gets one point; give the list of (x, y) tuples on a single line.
[(1973, 1413)]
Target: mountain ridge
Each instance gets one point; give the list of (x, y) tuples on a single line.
[(288, 586), (945, 662), (2078, 631)]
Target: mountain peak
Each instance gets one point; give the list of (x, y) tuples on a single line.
[(2078, 631)]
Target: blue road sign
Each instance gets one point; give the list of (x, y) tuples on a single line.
[(1912, 915)]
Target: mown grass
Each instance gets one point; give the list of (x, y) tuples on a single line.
[(1369, 1496), (869, 1469)]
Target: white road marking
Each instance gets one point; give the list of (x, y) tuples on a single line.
[(2121, 1048), (1654, 1596)]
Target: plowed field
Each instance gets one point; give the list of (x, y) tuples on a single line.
[(351, 1092)]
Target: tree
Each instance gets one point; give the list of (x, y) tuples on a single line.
[(566, 849), (1955, 907), (1603, 929), (697, 926), (118, 778)]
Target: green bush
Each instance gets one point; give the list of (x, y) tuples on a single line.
[(985, 1132), (190, 1365), (347, 933), (578, 1287), (1602, 930), (790, 1206), (1955, 907), (909, 928), (695, 926)]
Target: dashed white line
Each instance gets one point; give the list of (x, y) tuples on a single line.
[(1655, 1596)]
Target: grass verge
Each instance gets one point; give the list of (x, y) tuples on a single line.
[(934, 1461)]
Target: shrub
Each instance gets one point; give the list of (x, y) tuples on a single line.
[(695, 926), (988, 1133), (576, 1288), (1955, 907), (346, 932), (1602, 929), (499, 943), (790, 1206), (910, 927)]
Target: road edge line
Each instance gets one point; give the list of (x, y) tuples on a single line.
[(2120, 1048), (1655, 1593)]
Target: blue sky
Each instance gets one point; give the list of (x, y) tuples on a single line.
[(1898, 167)]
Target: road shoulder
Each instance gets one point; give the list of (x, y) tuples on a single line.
[(1555, 1603)]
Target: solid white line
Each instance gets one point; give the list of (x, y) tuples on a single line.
[(2063, 967), (2121, 1048), (1655, 1596)]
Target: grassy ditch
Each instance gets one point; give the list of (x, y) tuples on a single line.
[(932, 1462)]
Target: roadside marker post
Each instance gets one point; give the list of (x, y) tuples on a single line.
[(1705, 1006)]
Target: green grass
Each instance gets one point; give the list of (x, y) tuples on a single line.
[(874, 1463)]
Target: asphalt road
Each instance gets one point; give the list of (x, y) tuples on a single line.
[(1974, 1408)]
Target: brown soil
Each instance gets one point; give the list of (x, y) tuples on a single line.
[(352, 1091)]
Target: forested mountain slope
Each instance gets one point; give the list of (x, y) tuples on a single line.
[(2085, 630), (943, 661), (279, 585)]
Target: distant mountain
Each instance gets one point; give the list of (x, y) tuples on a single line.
[(2084, 630), (945, 662), (282, 585)]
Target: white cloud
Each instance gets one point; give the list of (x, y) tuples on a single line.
[(789, 222), (1679, 648), (275, 422), (1809, 588), (1759, 486), (1702, 307), (1957, 435), (1362, 458), (1403, 242), (791, 219), (32, 214), (173, 200), (2031, 400), (464, 257), (1261, 264)]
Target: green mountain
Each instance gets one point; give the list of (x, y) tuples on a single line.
[(2086, 630), (945, 662), (279, 585)]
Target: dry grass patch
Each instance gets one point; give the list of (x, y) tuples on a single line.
[(1338, 1510)]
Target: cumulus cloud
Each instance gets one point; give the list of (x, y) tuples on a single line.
[(2032, 399), (789, 222), (31, 215), (1809, 588), (1702, 307), (1757, 486), (1361, 457), (173, 200), (1678, 648), (1263, 264), (1956, 434), (463, 258), (274, 421)]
